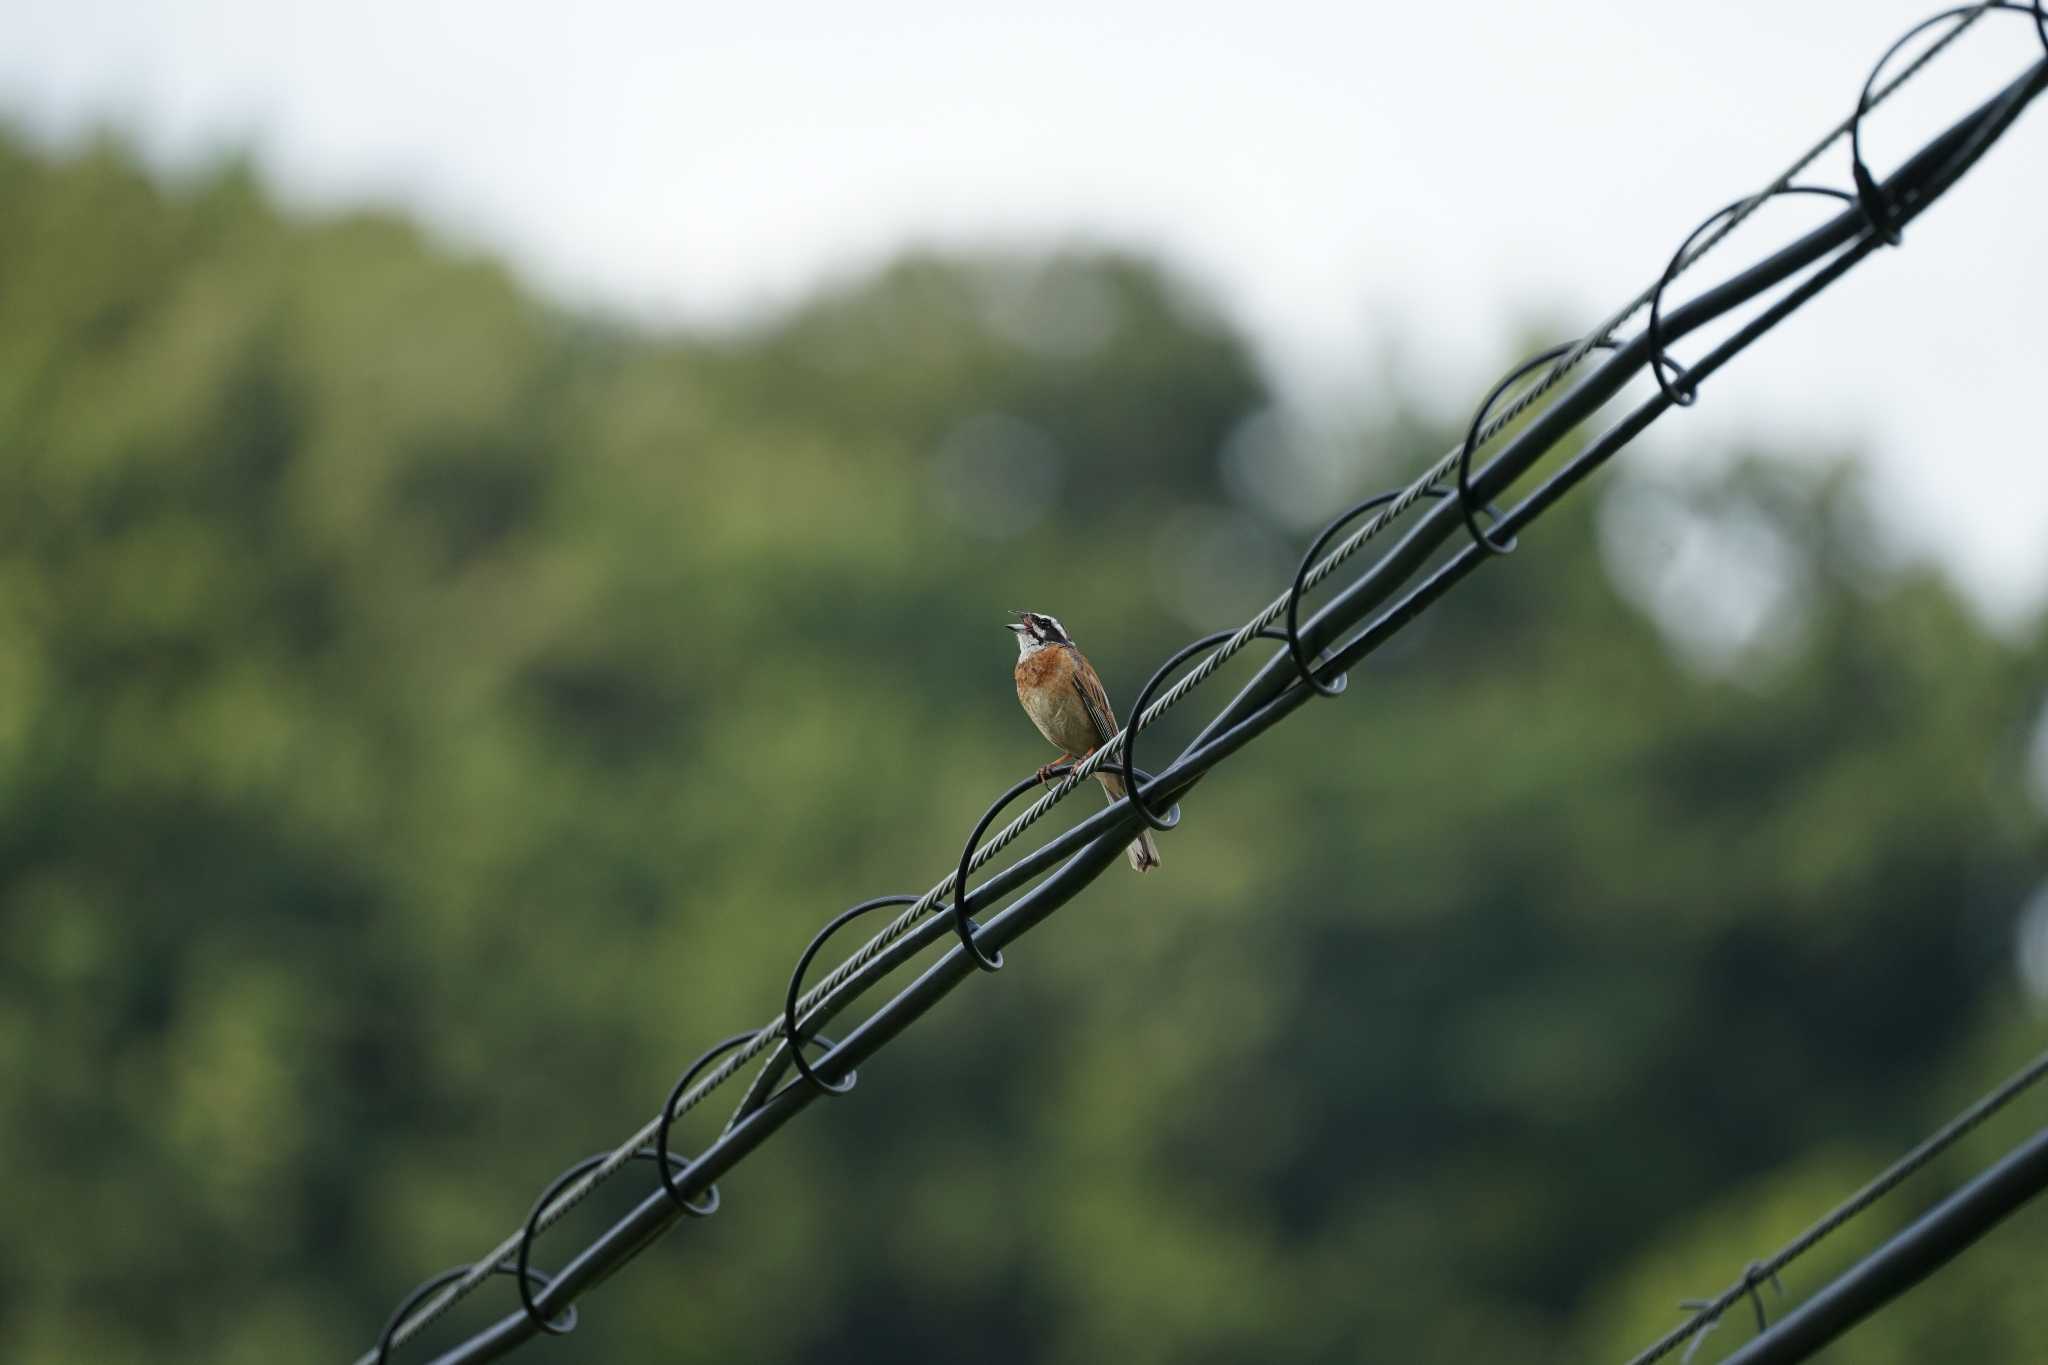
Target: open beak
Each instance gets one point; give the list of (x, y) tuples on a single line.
[(1019, 626)]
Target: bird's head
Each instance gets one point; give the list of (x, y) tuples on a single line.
[(1035, 630)]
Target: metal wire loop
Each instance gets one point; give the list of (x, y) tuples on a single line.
[(412, 1301), (796, 983), (1127, 762), (1303, 667), (1754, 1276), (1686, 391), (668, 1118), (521, 1267), (962, 925), (1877, 206), (1464, 485), (442, 1281), (965, 927), (1699, 1337), (522, 1263)]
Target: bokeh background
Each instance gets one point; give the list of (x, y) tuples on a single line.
[(474, 597)]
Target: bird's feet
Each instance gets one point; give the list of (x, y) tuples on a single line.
[(1060, 767)]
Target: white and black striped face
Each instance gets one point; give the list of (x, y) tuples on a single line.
[(1036, 630)]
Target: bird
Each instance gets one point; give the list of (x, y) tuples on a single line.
[(1064, 697)]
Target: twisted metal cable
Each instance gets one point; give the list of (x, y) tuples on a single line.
[(842, 981)]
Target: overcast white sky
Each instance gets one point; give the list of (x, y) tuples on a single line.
[(1337, 173)]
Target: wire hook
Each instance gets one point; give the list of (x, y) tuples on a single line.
[(668, 1118), (1464, 466), (796, 981), (1686, 392), (1127, 761), (565, 1324), (1754, 1276)]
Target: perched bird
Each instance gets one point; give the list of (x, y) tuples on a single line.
[(1064, 698)]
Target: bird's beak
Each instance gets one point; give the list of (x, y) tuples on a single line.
[(1017, 626)]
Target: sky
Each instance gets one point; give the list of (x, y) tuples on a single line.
[(1349, 181)]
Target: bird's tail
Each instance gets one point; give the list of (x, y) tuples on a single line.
[(1144, 854)]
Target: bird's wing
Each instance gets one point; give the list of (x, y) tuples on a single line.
[(1094, 700)]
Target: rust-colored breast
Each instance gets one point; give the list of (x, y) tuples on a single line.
[(1045, 668), (1045, 685)]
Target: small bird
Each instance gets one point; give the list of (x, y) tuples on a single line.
[(1065, 700)]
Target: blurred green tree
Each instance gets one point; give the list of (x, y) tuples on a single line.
[(427, 718)]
